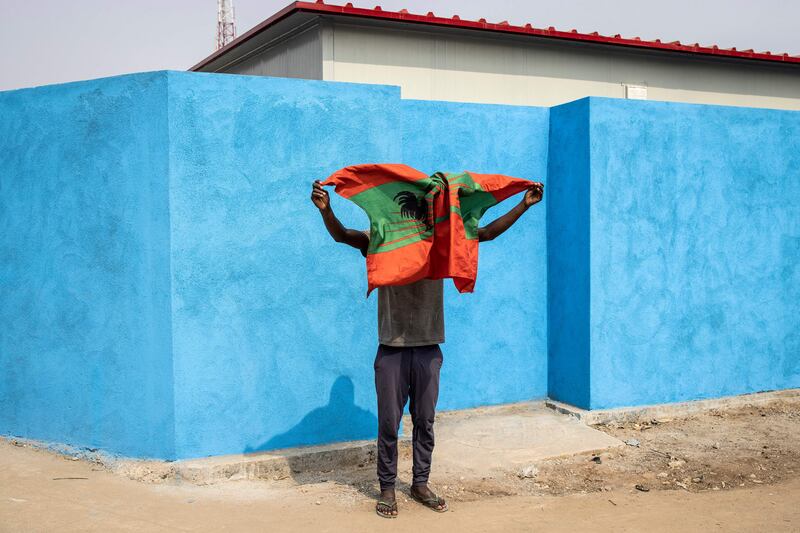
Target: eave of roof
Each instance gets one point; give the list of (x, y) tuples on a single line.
[(319, 7)]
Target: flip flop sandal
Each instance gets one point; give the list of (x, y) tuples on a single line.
[(431, 502), (392, 507)]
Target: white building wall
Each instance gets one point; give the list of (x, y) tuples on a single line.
[(434, 64)]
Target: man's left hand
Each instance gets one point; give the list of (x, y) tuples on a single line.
[(534, 194)]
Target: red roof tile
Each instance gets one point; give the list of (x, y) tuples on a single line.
[(504, 27)]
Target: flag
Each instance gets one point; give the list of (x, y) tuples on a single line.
[(422, 226)]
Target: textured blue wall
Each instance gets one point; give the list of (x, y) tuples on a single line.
[(84, 265), (568, 253), (180, 294), (272, 333), (167, 289), (487, 362), (695, 251)]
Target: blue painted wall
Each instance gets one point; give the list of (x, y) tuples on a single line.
[(167, 289), (568, 199), (272, 333), (487, 362), (84, 265), (271, 330), (695, 251)]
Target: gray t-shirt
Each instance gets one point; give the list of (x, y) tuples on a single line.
[(411, 315)]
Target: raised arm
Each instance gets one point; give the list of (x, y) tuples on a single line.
[(356, 239), (492, 230)]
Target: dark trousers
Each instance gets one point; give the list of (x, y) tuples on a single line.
[(402, 373)]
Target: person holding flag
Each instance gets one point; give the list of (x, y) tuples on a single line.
[(422, 229)]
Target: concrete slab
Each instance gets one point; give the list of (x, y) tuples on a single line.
[(471, 442), (491, 440), (671, 410)]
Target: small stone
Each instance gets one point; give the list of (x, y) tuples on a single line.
[(697, 479), (632, 442), (528, 472), (715, 445), (318, 502), (641, 488), (752, 475), (662, 474), (676, 463)]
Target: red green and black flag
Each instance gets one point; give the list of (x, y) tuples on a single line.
[(422, 226)]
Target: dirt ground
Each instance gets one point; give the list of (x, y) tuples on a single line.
[(722, 470)]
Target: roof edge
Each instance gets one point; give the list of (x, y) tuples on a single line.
[(431, 19)]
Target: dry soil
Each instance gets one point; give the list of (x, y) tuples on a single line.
[(723, 470)]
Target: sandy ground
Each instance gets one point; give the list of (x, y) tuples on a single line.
[(733, 470)]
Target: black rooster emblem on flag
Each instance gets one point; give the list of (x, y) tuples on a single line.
[(419, 206), (413, 206)]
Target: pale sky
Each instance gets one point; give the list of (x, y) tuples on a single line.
[(53, 41)]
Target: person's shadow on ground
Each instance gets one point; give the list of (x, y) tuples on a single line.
[(340, 420)]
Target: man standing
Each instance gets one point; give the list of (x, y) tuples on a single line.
[(408, 360)]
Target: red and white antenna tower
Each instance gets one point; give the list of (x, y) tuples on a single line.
[(226, 23)]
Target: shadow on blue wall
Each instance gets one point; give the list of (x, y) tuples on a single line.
[(340, 420)]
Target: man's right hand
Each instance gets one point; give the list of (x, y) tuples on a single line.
[(320, 196), (356, 239)]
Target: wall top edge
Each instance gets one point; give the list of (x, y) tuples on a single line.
[(152, 74), (392, 91)]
